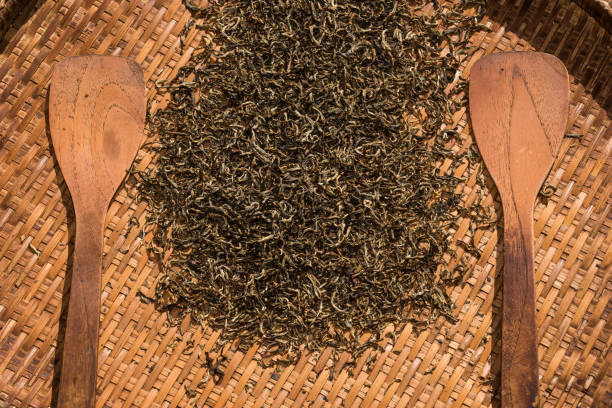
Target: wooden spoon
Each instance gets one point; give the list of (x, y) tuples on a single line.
[(519, 105), (96, 115)]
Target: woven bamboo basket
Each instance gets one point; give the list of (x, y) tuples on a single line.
[(142, 360)]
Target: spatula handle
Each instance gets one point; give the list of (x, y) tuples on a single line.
[(78, 375), (519, 348)]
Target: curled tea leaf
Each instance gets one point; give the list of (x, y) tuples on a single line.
[(296, 195)]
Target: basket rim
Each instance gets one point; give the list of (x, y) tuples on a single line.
[(600, 10)]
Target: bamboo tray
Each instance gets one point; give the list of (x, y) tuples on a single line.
[(142, 361)]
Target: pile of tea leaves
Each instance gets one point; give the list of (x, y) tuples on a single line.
[(295, 198)]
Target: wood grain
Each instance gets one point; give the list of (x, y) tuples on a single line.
[(96, 116), (519, 104)]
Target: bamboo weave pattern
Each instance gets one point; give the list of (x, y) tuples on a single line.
[(144, 363)]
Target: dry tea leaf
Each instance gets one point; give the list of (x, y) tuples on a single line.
[(296, 184)]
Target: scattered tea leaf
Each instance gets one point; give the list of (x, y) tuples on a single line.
[(296, 193)]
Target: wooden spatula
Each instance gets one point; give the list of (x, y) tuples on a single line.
[(96, 114), (519, 105)]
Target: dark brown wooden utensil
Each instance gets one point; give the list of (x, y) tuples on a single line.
[(519, 104), (96, 115)]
